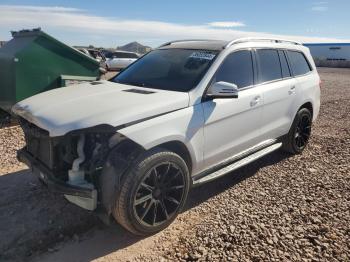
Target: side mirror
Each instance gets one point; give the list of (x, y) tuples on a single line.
[(223, 90)]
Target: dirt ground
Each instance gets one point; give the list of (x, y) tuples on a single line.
[(280, 208)]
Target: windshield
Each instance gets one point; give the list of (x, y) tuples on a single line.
[(168, 69)]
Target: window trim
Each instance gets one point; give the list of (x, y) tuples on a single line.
[(289, 65), (256, 68)]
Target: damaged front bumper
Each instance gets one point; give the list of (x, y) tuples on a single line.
[(83, 196)]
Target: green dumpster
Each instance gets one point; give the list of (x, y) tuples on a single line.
[(34, 62)]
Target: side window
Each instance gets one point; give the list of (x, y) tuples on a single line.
[(131, 55), (284, 65), (116, 55), (299, 64), (127, 55), (269, 65), (237, 69), (122, 55), (109, 55)]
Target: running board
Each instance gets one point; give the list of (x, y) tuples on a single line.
[(237, 164)]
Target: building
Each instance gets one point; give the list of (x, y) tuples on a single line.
[(330, 54)]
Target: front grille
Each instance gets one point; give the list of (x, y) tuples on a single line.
[(39, 143)]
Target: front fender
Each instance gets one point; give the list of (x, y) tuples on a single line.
[(185, 126)]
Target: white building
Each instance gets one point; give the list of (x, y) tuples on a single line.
[(331, 54)]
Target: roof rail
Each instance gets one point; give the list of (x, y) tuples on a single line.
[(184, 40), (258, 39)]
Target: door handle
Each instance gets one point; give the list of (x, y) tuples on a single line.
[(255, 101), (291, 90)]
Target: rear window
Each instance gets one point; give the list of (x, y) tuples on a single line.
[(299, 64), (269, 65)]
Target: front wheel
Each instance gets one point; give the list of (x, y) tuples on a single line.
[(298, 136), (153, 192)]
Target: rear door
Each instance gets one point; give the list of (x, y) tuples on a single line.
[(233, 124), (279, 92), (307, 82)]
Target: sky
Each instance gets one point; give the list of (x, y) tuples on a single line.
[(114, 23)]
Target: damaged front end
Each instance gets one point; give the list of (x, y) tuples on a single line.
[(70, 164)]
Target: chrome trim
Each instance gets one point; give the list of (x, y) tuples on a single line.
[(240, 163), (258, 39), (234, 158), (184, 40), (274, 81)]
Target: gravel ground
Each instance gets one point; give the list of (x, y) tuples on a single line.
[(282, 207), (11, 139)]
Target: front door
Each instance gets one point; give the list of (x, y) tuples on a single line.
[(233, 124)]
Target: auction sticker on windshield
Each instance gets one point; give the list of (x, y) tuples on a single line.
[(202, 55)]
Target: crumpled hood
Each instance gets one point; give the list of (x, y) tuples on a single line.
[(62, 110)]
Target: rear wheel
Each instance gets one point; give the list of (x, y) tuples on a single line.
[(153, 192), (299, 134)]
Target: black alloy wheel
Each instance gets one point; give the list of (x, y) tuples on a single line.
[(159, 195), (298, 136), (302, 131), (153, 192)]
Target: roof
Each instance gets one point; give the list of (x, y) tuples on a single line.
[(215, 45)]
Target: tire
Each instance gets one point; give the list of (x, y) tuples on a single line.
[(298, 136), (152, 193)]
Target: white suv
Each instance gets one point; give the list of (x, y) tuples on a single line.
[(120, 59), (182, 115)]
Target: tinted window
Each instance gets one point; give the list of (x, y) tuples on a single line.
[(124, 55), (269, 65), (108, 54), (298, 62), (130, 55), (237, 69), (284, 65), (168, 69)]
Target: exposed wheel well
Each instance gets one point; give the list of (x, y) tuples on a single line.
[(307, 105), (129, 149), (180, 149)]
